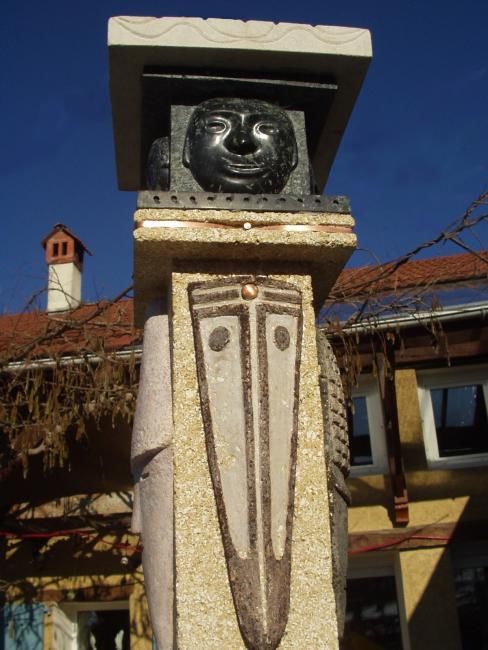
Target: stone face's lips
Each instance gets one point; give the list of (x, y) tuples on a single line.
[(245, 169)]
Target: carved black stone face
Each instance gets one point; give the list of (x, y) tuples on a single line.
[(240, 145)]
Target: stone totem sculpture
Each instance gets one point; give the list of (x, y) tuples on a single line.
[(239, 447)]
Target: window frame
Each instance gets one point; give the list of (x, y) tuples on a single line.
[(448, 378), (71, 609), (471, 555), (368, 388), (382, 564)]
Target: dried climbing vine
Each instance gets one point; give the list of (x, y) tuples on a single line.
[(48, 396), (359, 303), (83, 366)]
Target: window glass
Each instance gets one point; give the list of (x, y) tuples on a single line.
[(460, 420), (103, 630), (471, 586), (359, 434), (372, 616)]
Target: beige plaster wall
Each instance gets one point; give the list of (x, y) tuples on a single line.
[(435, 496), (409, 420), (88, 569), (428, 595)]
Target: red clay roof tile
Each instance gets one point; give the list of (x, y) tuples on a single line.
[(434, 271), (109, 326)]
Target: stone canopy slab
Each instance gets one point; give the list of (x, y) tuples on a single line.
[(283, 51)]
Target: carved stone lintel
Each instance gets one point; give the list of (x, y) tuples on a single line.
[(247, 334)]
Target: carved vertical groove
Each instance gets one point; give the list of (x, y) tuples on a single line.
[(254, 339)]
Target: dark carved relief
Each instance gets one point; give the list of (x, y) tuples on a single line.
[(338, 466), (158, 163), (240, 145), (218, 339), (282, 337), (248, 335)]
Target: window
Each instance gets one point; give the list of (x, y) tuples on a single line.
[(372, 611), (64, 248), (366, 431), (453, 406), (55, 249), (91, 626), (471, 588)]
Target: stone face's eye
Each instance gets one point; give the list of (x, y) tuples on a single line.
[(267, 128), (214, 125), (218, 339), (282, 338)]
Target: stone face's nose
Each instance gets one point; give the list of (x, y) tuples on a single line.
[(240, 141)]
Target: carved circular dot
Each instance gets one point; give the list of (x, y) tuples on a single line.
[(282, 337), (218, 339), (249, 291)]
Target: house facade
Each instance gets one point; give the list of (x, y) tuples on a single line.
[(415, 366), (418, 572)]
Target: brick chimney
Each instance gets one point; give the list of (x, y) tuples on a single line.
[(64, 257)]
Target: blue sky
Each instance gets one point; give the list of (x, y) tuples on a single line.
[(413, 157)]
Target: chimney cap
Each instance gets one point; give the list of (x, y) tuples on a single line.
[(61, 227)]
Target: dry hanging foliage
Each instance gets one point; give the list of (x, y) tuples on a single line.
[(60, 371), (57, 372), (363, 299)]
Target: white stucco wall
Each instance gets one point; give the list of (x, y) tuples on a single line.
[(64, 287)]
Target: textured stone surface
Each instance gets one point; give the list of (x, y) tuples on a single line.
[(280, 49), (249, 400), (203, 599), (155, 494), (152, 466), (157, 249), (233, 217), (205, 612), (153, 422), (175, 256), (338, 466)]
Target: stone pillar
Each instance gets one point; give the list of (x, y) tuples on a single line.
[(205, 598), (229, 130)]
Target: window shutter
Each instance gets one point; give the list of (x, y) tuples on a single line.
[(22, 626)]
